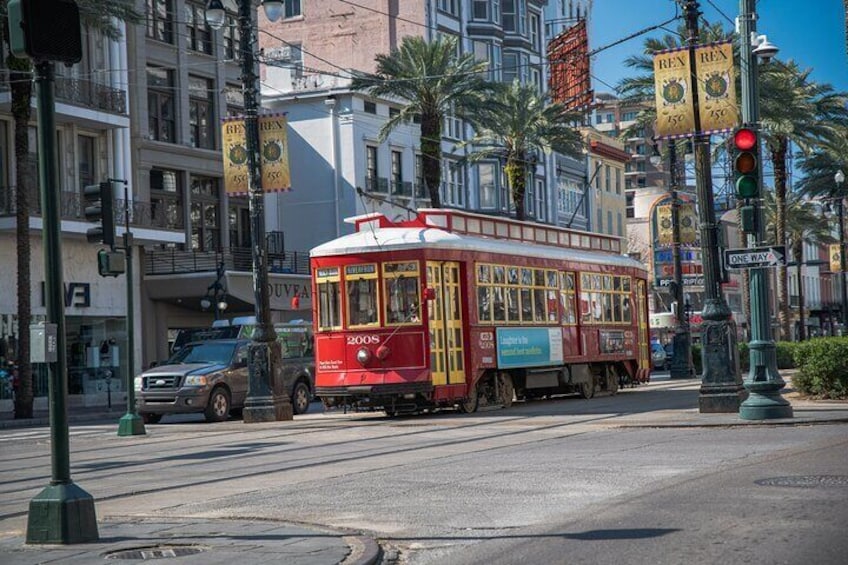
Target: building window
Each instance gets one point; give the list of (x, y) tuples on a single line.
[(234, 97), (618, 181), (239, 221), (292, 9), (371, 172), (620, 224), (232, 39), (198, 33), (453, 125), (630, 210), (541, 200), (491, 53), (160, 105), (397, 173), (488, 186), (449, 6), (160, 20), (534, 32), (200, 113), (609, 222), (370, 107), (536, 78), (454, 183), (87, 160), (600, 227), (166, 198), (510, 66), (514, 15), (205, 224)]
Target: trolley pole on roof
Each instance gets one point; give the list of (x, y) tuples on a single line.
[(721, 385)]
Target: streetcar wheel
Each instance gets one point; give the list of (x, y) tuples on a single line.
[(587, 390), (506, 389), (218, 408), (469, 405)]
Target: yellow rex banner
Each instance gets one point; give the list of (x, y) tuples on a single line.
[(273, 154), (833, 253), (673, 94), (717, 107)]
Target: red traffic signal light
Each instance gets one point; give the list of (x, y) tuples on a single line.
[(745, 139), (745, 165)]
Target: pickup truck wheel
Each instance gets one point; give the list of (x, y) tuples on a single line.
[(300, 398), (149, 418), (218, 408)]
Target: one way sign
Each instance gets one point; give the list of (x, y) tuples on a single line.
[(774, 256)]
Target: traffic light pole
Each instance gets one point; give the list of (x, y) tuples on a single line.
[(763, 382), (62, 512), (130, 423), (721, 385)]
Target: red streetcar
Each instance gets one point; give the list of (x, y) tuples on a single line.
[(460, 309)]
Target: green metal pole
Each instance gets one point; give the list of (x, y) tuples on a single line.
[(681, 360), (721, 385), (266, 399), (62, 512), (130, 423), (763, 382)]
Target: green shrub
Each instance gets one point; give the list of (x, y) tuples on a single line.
[(785, 354), (823, 367), (744, 357), (696, 358)]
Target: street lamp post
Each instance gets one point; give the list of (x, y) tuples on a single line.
[(681, 361), (266, 401), (721, 385), (839, 177), (763, 382)]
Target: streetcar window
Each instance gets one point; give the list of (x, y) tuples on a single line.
[(512, 304), (401, 289), (539, 304), (498, 302), (526, 305), (527, 277), (329, 299), (484, 274), (512, 275), (605, 299), (484, 303), (499, 275), (361, 291), (627, 310), (568, 314)]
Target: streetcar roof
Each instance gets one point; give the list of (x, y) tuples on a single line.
[(406, 238)]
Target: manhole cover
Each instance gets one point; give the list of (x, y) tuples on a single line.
[(156, 552), (806, 481)]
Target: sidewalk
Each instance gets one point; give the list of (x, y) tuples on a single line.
[(210, 542)]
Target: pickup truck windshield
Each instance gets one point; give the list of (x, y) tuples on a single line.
[(209, 353)]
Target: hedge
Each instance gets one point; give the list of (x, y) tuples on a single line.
[(823, 367)]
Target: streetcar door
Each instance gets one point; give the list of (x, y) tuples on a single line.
[(447, 360), (642, 322)]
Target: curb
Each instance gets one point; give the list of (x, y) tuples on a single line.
[(363, 551)]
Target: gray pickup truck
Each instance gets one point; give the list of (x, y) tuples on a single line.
[(211, 377)]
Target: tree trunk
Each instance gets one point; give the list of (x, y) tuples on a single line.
[(778, 158), (517, 175), (20, 81), (798, 256), (431, 156)]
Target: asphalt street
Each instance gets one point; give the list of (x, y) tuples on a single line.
[(640, 477)]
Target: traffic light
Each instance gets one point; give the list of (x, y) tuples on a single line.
[(746, 163), (99, 207), (45, 30)]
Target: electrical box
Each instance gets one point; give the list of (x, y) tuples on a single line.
[(44, 343)]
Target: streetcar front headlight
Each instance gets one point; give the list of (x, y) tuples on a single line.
[(363, 356)]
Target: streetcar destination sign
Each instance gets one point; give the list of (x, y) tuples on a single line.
[(773, 256)]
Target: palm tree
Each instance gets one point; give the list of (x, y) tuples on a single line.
[(796, 111), (433, 81), (96, 15), (817, 170), (517, 125), (804, 224)]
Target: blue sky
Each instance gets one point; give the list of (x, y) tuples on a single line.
[(810, 32)]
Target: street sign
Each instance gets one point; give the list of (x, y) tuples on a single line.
[(774, 256)]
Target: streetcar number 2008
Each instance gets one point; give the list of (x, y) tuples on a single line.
[(363, 339)]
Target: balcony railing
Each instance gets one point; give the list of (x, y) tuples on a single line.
[(175, 261), (91, 95), (142, 214)]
